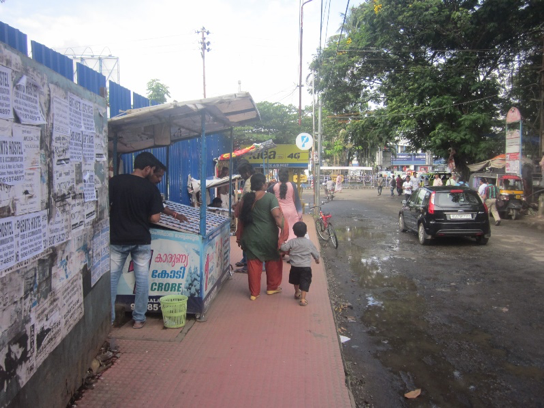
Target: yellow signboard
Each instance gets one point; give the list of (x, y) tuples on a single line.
[(282, 155)]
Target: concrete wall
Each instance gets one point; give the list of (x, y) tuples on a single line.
[(54, 284)]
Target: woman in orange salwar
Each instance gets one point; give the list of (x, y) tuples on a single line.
[(261, 231), (287, 196)]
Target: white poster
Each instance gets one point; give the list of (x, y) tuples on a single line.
[(76, 120), (87, 116), (61, 128), (12, 160), (7, 243), (76, 146), (71, 296), (31, 138), (89, 190), (59, 226), (5, 128), (101, 251), (88, 146), (77, 214), (30, 235), (90, 211), (99, 147), (28, 194), (6, 111), (63, 177), (26, 102)]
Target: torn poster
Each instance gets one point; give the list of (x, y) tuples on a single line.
[(61, 128), (77, 215), (88, 146), (26, 102), (89, 190), (6, 111)]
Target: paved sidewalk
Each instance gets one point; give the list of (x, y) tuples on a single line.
[(267, 353)]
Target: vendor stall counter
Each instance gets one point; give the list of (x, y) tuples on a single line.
[(183, 262)]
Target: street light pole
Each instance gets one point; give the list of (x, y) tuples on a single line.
[(300, 72), (204, 48)]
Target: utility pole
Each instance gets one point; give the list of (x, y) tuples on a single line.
[(204, 47), (542, 102), (300, 72)]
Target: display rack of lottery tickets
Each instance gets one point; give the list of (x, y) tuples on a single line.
[(189, 258)]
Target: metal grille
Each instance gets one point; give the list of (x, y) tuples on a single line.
[(213, 220)]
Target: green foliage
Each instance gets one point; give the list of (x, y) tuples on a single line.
[(441, 74), (156, 91)]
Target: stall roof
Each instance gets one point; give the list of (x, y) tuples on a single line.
[(161, 125)]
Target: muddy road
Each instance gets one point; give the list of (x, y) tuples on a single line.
[(462, 322)]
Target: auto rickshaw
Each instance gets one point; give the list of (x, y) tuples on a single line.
[(511, 198)]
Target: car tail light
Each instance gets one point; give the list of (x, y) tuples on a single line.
[(431, 204), (456, 191)]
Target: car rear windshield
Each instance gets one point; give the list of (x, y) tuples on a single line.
[(454, 199)]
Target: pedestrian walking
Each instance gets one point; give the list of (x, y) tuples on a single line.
[(407, 188), (437, 181), (491, 192), (301, 250), (399, 185), (135, 203), (392, 185), (380, 184)]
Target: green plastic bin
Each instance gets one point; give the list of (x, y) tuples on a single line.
[(174, 310)]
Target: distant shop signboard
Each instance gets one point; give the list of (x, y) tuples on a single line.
[(408, 159)]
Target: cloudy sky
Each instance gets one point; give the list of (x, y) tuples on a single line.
[(255, 42)]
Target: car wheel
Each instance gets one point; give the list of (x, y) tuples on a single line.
[(402, 225), (421, 236), (481, 240)]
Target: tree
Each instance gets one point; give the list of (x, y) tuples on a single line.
[(434, 72), (156, 91)]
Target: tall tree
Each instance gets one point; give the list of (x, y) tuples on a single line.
[(435, 71), (157, 91)]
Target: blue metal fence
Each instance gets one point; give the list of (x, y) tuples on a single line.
[(52, 59), (183, 160), (119, 99), (14, 38), (90, 79), (139, 101)]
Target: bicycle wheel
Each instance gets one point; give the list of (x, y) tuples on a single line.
[(332, 235), (321, 230)]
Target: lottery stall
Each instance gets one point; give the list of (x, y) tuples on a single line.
[(183, 261), (189, 258)]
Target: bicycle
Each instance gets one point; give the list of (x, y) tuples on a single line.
[(324, 227), (329, 194)]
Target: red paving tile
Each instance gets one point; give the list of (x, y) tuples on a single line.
[(268, 353)]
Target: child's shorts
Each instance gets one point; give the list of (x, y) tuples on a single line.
[(301, 276)]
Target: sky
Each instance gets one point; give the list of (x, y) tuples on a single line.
[(254, 42)]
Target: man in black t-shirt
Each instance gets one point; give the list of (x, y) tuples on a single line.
[(135, 202)]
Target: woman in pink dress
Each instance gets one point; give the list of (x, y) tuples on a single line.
[(287, 195)]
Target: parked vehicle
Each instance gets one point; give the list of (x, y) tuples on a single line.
[(446, 211), (511, 198)]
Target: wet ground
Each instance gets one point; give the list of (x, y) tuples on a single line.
[(462, 322)]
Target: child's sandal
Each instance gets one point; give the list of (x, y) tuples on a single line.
[(303, 302), (298, 294)]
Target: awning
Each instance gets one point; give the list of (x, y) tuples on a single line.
[(162, 125)]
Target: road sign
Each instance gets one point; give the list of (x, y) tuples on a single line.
[(304, 141)]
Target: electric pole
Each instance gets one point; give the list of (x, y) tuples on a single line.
[(204, 47)]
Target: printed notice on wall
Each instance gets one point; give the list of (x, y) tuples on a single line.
[(76, 146), (26, 102), (7, 243), (31, 138), (63, 177), (89, 190), (12, 160), (59, 226), (77, 214), (6, 111), (88, 146), (87, 116), (76, 120), (71, 296), (101, 254), (99, 147), (48, 327), (61, 127), (30, 235)]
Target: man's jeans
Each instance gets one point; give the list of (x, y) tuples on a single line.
[(141, 255)]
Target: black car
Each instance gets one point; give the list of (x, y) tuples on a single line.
[(444, 212)]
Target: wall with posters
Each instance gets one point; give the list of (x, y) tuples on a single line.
[(54, 232)]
